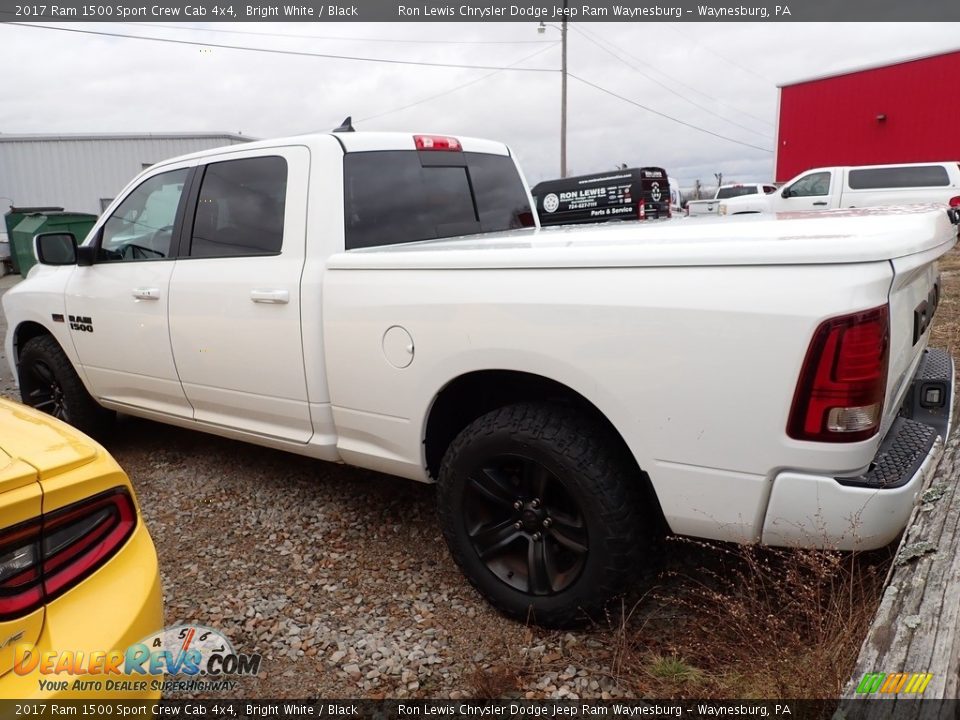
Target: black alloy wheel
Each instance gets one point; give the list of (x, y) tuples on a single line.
[(524, 525), (542, 508), (49, 383), (42, 390)]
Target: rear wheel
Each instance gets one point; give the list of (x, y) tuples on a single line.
[(48, 382), (540, 509)]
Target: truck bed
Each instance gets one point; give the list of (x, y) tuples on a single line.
[(843, 236)]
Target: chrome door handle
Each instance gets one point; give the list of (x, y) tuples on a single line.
[(275, 297), (146, 293)]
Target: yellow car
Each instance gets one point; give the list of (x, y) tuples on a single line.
[(79, 582)]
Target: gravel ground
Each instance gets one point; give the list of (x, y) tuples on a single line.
[(339, 577)]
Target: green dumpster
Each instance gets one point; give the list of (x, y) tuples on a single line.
[(13, 218), (33, 221)]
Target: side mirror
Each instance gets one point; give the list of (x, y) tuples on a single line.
[(86, 255), (786, 193), (55, 248)]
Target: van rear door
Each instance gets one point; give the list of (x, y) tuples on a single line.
[(655, 192)]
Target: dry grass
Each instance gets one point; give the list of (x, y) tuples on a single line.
[(946, 325), (499, 681), (761, 622)]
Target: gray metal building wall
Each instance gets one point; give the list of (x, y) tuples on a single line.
[(77, 172)]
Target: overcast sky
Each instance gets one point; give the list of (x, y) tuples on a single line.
[(721, 77)]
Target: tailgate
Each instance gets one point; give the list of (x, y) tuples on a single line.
[(914, 297), (702, 207)]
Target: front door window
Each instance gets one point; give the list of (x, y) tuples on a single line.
[(141, 228)]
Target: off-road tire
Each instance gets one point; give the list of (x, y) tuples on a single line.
[(44, 369), (594, 469)]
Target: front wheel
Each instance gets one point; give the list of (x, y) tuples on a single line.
[(540, 508), (49, 383)]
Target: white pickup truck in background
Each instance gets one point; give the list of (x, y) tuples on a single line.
[(386, 300), (856, 187), (725, 192)]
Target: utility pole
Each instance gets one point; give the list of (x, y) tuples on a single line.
[(542, 28), (563, 93)]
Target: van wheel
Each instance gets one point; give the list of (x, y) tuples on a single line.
[(48, 382), (540, 509)]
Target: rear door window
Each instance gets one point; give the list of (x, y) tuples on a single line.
[(391, 197), (899, 177), (240, 209)]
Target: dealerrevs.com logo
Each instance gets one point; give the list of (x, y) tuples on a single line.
[(894, 683), (203, 655)]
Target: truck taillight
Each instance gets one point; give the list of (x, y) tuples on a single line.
[(642, 209), (437, 142), (839, 396), (44, 558), (955, 201)]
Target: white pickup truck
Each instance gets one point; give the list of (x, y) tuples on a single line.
[(375, 299), (726, 192), (860, 186)]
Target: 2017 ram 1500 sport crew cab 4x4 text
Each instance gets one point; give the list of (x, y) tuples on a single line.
[(374, 299)]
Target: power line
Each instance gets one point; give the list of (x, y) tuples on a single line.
[(670, 89), (664, 115), (722, 57), (458, 87), (336, 37), (679, 82), (272, 51)]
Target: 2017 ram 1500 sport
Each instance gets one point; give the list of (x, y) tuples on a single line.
[(374, 299)]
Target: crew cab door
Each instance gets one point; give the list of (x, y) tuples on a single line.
[(235, 293), (117, 308), (811, 191)]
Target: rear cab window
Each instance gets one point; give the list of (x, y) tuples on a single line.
[(401, 196), (738, 191)]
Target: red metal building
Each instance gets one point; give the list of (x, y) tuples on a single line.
[(903, 112)]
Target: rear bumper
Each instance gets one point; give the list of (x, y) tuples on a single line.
[(869, 510)]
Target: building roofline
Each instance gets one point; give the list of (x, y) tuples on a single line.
[(862, 68), (123, 136)]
